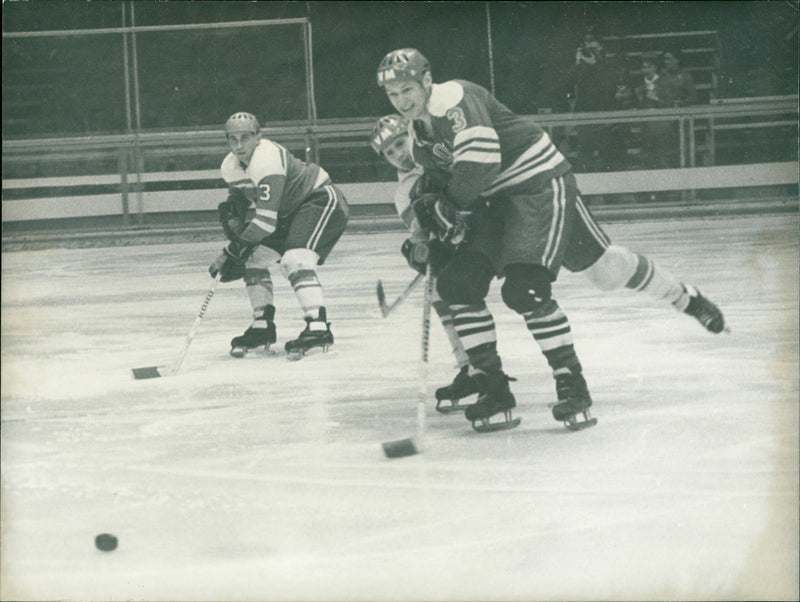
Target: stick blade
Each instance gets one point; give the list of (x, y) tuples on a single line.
[(382, 299), (149, 372), (401, 448)]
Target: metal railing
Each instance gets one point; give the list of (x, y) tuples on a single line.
[(129, 164)]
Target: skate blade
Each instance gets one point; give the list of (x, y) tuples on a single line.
[(453, 408), (243, 351), (573, 424), (321, 351), (485, 426)]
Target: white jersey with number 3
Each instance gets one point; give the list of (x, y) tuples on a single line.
[(275, 182)]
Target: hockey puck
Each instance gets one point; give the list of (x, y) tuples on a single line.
[(400, 449), (106, 542)]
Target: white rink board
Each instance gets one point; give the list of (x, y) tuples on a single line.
[(263, 479), (366, 193)]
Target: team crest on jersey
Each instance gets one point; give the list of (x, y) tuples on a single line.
[(443, 155)]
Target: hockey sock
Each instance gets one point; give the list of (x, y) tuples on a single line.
[(550, 329), (474, 326), (443, 311), (308, 290), (656, 282), (258, 285)]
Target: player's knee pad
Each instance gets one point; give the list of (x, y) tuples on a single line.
[(465, 280), (257, 276), (527, 287), (614, 268), (295, 260)]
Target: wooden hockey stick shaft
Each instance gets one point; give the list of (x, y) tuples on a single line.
[(430, 285), (411, 446), (177, 365), (386, 309)]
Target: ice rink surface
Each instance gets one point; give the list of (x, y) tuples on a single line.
[(264, 479)]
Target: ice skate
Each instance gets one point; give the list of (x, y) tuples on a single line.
[(573, 400), (705, 311), (448, 397), (315, 336), (495, 397), (261, 333)]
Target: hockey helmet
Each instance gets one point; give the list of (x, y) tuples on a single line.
[(406, 64), (242, 122), (387, 129)]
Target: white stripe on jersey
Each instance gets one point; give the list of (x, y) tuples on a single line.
[(557, 225), (267, 214), (324, 219), (478, 144), (265, 226), (540, 157)]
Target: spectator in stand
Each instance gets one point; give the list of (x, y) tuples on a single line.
[(659, 146), (678, 85), (594, 86)]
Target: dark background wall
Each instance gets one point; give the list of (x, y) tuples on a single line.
[(74, 85)]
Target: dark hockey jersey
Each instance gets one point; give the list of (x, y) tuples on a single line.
[(483, 145)]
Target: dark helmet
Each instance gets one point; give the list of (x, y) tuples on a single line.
[(406, 64)]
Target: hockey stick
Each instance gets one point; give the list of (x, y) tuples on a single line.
[(386, 309), (156, 371), (412, 446)]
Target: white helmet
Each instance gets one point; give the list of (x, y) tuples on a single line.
[(386, 130), (242, 122)]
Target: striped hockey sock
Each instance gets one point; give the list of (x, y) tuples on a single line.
[(651, 279), (308, 290), (550, 329), (474, 325)]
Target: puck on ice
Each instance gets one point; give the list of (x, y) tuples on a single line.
[(106, 542)]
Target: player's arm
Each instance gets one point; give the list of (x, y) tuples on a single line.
[(269, 192), (476, 152)]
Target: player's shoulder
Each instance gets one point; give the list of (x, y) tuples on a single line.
[(231, 168), (449, 94), (267, 158)]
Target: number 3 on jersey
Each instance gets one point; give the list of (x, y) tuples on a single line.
[(263, 192), (456, 116)]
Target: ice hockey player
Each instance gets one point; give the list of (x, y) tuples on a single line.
[(283, 211), (511, 208), (391, 141)]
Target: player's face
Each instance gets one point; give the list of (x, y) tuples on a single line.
[(408, 98), (398, 154), (242, 145)]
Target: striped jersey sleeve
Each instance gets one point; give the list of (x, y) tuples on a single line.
[(492, 148), (263, 181)]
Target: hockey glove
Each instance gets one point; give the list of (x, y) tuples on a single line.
[(416, 254), (439, 255), (231, 260), (428, 183), (232, 220), (438, 214)]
